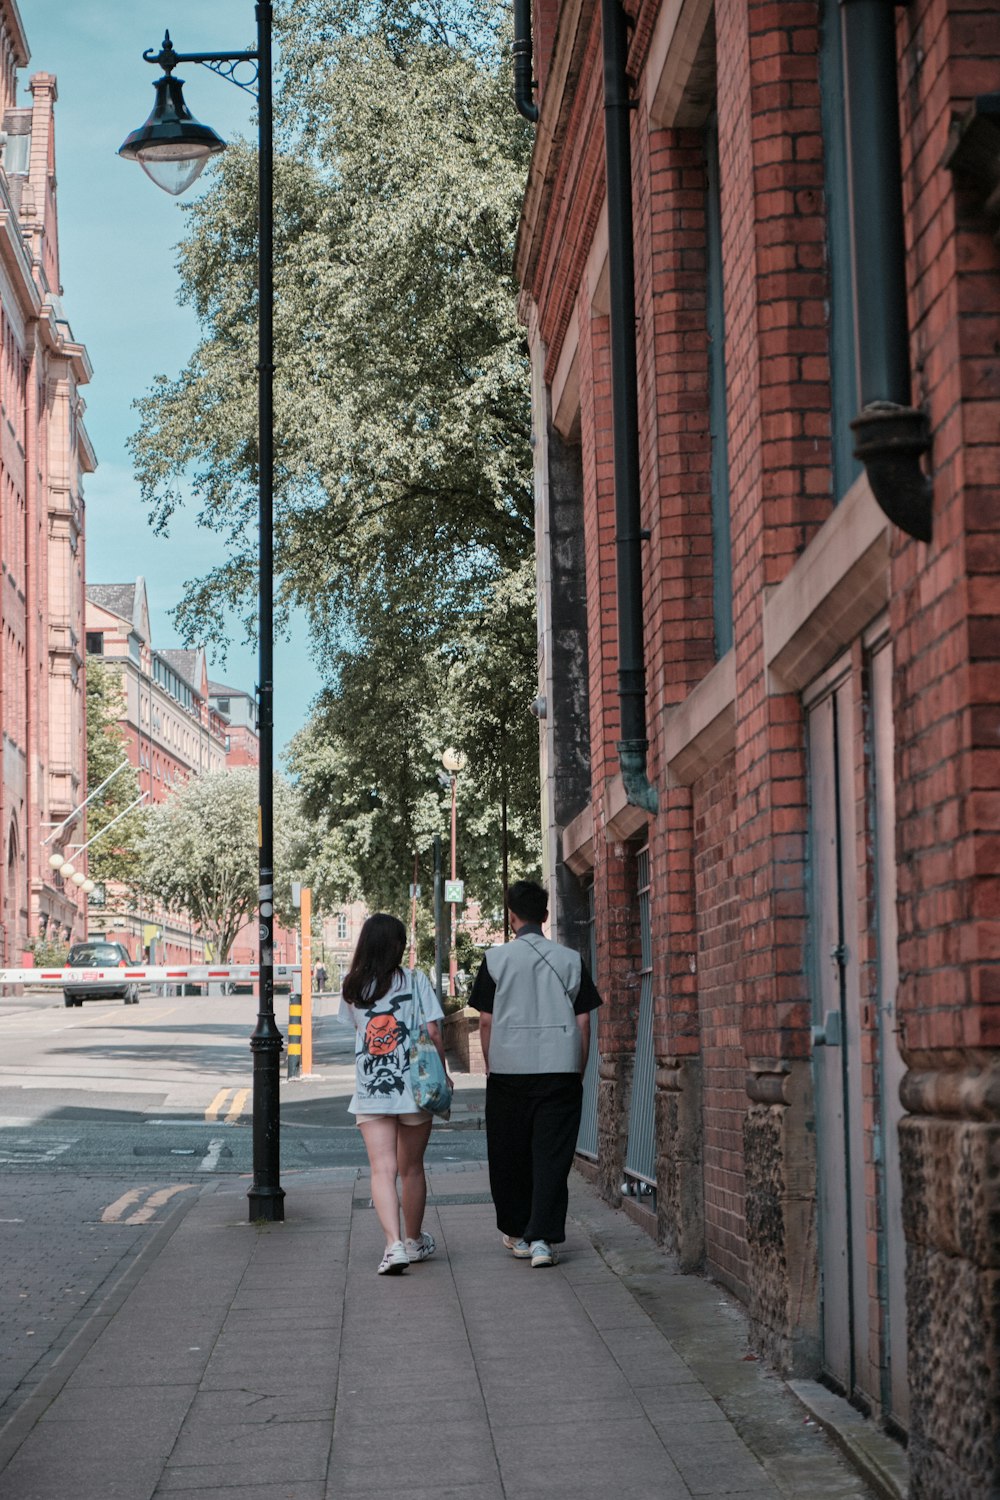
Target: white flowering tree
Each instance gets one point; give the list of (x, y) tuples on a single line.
[(198, 852)]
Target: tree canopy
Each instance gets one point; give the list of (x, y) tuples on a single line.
[(198, 852), (403, 497)]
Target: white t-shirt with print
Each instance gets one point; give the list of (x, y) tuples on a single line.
[(384, 1035)]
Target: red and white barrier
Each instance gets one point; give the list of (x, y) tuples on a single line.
[(149, 974)]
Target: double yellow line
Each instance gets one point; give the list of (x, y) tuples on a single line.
[(236, 1107), (127, 1209)]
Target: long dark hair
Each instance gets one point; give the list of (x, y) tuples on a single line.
[(376, 958)]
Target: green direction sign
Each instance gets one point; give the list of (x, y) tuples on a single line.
[(454, 891)]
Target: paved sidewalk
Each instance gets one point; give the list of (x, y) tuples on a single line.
[(242, 1361)]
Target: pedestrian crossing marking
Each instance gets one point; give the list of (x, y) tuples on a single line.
[(34, 1150), (118, 1212), (236, 1106)]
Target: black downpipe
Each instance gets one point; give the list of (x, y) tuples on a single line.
[(523, 82), (890, 433), (633, 744)]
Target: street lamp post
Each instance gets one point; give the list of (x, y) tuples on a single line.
[(172, 148), (453, 762)]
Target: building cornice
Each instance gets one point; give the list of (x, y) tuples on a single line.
[(565, 189), (16, 32), (15, 256)]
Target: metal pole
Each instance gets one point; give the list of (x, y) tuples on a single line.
[(438, 915), (307, 1041), (413, 911), (266, 1196), (452, 955)]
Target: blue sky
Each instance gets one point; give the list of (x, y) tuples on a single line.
[(118, 236)]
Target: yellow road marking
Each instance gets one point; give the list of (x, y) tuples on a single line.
[(112, 1214), (212, 1112), (115, 1212), (242, 1095), (155, 1201)]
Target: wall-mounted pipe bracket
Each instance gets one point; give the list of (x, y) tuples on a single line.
[(890, 441), (639, 791)]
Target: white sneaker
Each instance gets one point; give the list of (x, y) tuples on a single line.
[(395, 1260), (421, 1249), (519, 1248), (542, 1253)]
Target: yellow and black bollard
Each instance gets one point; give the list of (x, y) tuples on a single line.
[(294, 1049)]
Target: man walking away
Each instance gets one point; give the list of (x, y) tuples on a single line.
[(534, 999)]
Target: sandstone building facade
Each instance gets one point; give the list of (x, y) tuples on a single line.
[(761, 283)]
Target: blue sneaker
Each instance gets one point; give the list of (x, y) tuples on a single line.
[(519, 1248), (542, 1253)]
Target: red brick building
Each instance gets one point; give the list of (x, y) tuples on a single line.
[(769, 643), (44, 455)]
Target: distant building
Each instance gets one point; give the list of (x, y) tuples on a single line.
[(44, 453), (171, 731), (338, 940), (239, 709)]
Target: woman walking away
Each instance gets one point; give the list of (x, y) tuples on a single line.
[(387, 1007)]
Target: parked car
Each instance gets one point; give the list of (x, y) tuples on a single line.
[(98, 954)]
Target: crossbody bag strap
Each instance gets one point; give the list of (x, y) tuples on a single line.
[(548, 961), (415, 992)]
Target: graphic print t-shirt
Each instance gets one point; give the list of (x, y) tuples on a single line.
[(384, 1035)]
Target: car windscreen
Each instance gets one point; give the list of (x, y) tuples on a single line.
[(94, 953)]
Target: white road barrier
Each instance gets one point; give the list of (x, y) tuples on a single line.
[(150, 974)]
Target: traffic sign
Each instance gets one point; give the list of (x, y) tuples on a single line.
[(454, 891)]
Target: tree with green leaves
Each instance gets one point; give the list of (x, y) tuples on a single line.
[(112, 858), (198, 853), (404, 505)]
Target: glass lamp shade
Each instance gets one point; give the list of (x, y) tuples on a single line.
[(57, 861), (88, 886), (453, 761), (67, 871), (172, 147), (79, 878)]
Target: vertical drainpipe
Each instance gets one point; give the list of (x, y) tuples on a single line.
[(633, 745), (890, 433), (523, 81)]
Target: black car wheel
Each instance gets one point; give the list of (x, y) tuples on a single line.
[(68, 1000)]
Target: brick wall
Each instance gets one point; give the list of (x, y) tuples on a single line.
[(717, 900), (944, 615)]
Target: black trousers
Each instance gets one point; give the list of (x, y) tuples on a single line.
[(532, 1125)]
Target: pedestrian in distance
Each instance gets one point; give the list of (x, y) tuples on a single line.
[(386, 1006), (534, 999), (319, 978)]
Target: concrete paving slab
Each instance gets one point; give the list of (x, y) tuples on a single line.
[(490, 1490), (524, 1409), (58, 1476), (460, 1450), (283, 1490), (305, 1445)]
